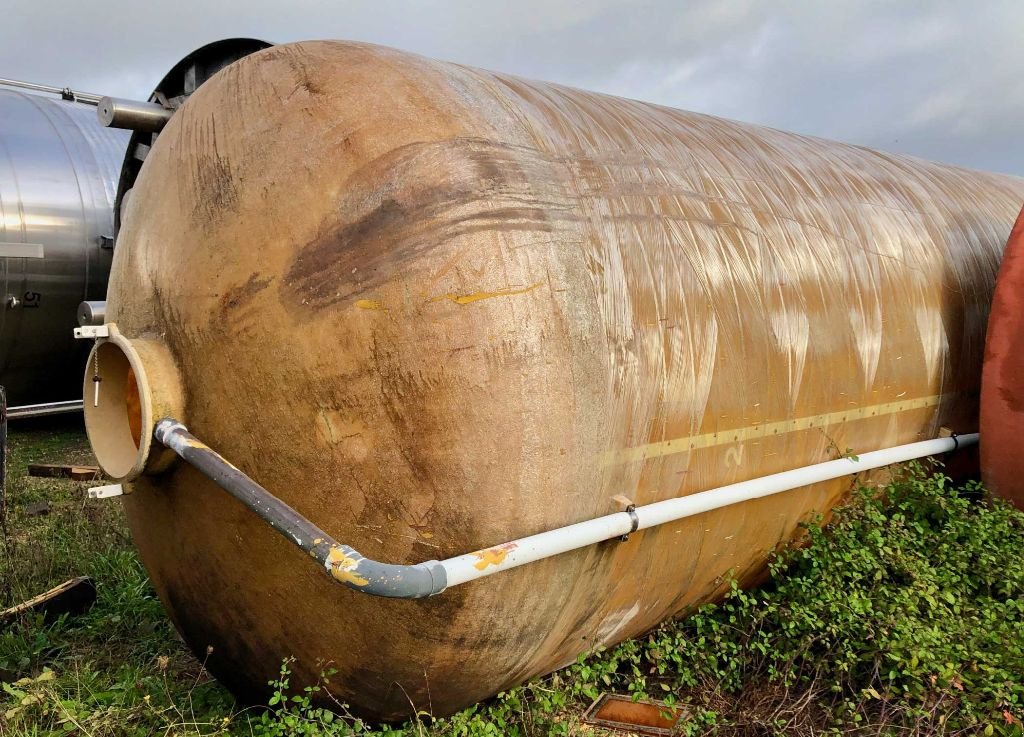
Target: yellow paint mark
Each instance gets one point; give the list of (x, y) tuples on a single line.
[(493, 556), (465, 299), (766, 430), (370, 304), (200, 445), (343, 568)]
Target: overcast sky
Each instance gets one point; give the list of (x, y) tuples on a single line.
[(941, 79)]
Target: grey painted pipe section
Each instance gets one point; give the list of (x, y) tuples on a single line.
[(359, 573), (341, 562)]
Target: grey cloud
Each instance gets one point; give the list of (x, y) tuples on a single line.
[(935, 79)]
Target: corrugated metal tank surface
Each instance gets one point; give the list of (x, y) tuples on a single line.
[(436, 308), (58, 174)]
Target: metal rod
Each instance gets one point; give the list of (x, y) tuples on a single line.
[(66, 93), (3, 469), (146, 117), (432, 577), (343, 563), (25, 411), (92, 312)]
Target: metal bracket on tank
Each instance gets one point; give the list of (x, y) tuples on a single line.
[(92, 332), (106, 492), (948, 432), (634, 522)]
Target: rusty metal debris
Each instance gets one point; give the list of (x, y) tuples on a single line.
[(622, 714)]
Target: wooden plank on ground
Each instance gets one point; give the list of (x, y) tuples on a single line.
[(71, 597), (64, 471)]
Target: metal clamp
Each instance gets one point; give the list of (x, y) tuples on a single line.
[(634, 522)]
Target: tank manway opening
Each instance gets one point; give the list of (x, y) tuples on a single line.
[(128, 385), (113, 408)]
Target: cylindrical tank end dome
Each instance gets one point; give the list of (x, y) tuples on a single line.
[(129, 386)]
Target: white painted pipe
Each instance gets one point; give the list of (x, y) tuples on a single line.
[(508, 555)]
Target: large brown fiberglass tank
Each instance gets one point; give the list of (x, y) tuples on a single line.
[(434, 309)]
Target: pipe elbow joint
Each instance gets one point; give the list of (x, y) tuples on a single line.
[(391, 581)]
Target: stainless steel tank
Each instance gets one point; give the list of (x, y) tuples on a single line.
[(58, 177)]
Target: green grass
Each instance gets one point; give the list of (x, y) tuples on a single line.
[(904, 616)]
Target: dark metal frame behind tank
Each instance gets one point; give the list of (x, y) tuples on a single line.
[(181, 81)]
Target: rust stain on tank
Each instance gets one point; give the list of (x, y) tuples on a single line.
[(242, 294), (489, 189)]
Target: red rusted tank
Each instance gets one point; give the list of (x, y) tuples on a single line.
[(434, 309), (1002, 384)]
